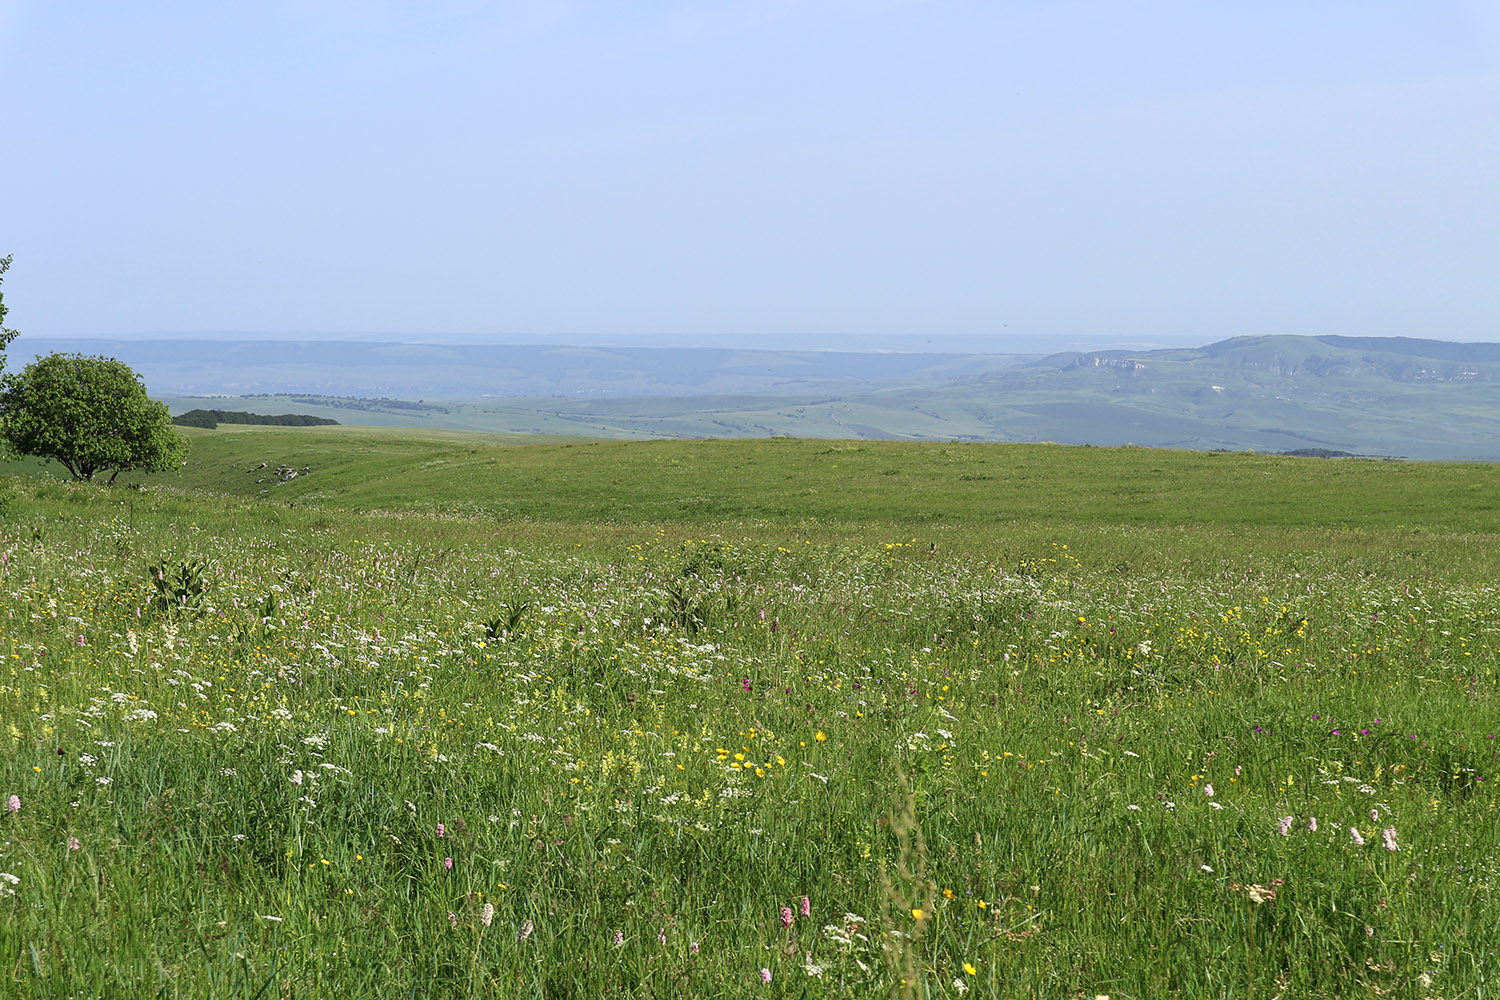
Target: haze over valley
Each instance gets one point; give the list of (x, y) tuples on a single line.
[(1396, 397)]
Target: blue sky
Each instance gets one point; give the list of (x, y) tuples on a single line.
[(1153, 171)]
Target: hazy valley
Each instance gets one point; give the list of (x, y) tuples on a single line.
[(1400, 397)]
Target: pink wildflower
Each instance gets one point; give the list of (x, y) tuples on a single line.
[(1374, 815), (1208, 790), (806, 907), (447, 864), (73, 844), (1354, 836), (453, 919), (765, 975), (1312, 824), (661, 936), (693, 947), (1286, 825), (15, 803), (1389, 835), (619, 938), (786, 916), (487, 915), (441, 831)]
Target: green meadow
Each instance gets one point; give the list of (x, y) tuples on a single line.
[(460, 715)]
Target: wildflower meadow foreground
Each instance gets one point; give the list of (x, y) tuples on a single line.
[(260, 751)]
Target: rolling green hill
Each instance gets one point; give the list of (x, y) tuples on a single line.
[(451, 714), (791, 480)]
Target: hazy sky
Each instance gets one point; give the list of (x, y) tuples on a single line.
[(1186, 171)]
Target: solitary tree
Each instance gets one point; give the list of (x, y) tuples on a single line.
[(91, 414)]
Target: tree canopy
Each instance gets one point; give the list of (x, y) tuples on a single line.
[(6, 336), (91, 414)]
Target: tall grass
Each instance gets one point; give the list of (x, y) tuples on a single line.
[(417, 755)]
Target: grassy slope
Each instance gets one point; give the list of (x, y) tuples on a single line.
[(791, 480), (1059, 647)]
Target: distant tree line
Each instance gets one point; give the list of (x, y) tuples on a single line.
[(352, 402), (1319, 453), (213, 418)]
